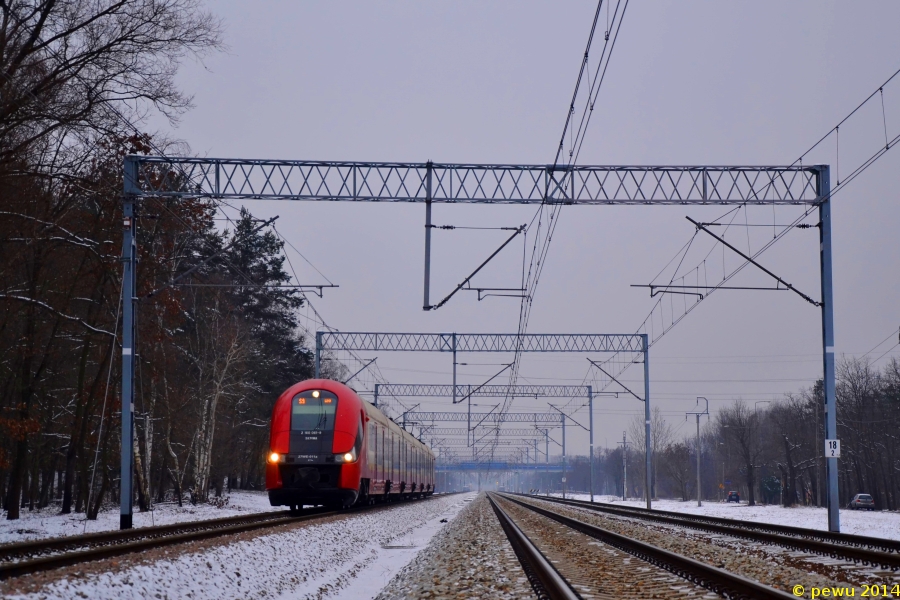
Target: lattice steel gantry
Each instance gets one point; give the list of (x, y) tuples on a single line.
[(250, 179), (500, 342)]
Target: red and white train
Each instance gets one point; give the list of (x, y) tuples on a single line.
[(329, 446)]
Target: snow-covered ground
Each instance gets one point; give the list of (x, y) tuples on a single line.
[(881, 524), (348, 558), (49, 523)]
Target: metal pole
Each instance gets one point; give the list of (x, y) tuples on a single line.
[(376, 394), (426, 304), (722, 491), (129, 261), (818, 442), (562, 418), (454, 371), (831, 466), (591, 426), (624, 467), (698, 461), (647, 451), (318, 353)]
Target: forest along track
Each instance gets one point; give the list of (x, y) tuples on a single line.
[(619, 566), (869, 551), (22, 558)]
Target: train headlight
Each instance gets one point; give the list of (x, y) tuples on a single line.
[(347, 457), (274, 457)]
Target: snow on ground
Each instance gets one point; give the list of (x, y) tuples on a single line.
[(49, 523), (351, 557), (390, 560), (880, 524)]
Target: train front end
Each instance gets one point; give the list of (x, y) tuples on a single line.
[(315, 448)]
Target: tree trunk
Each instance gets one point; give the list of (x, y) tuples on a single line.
[(14, 493), (176, 476), (94, 509), (751, 485), (75, 441), (161, 484), (143, 495), (81, 489)]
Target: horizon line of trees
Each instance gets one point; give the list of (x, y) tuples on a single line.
[(772, 454)]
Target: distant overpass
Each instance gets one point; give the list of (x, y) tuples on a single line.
[(501, 466)]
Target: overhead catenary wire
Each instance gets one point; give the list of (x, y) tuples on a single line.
[(103, 408), (883, 354), (734, 212), (376, 370), (876, 346), (540, 247)]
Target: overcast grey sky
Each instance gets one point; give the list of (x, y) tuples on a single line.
[(690, 82)]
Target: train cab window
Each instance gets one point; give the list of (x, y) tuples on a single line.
[(313, 410), (357, 445)]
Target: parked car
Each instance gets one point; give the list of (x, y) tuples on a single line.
[(862, 502), (733, 497)]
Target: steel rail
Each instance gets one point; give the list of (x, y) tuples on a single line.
[(712, 578), (544, 578), (116, 543), (32, 548), (826, 543)]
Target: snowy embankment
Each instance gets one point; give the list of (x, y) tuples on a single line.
[(352, 556), (880, 524), (49, 523)]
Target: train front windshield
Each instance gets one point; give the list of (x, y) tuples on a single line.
[(313, 411), (312, 427)]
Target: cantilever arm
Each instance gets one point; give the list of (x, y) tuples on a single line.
[(608, 374), (363, 368), (755, 264), (494, 376), (475, 272)]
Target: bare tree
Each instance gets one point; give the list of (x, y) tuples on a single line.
[(678, 465), (217, 353), (740, 429), (790, 421), (72, 68), (660, 437)]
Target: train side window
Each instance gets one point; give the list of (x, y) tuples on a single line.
[(380, 443)]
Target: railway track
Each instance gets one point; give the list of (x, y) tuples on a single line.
[(564, 565), (23, 558), (876, 552)]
